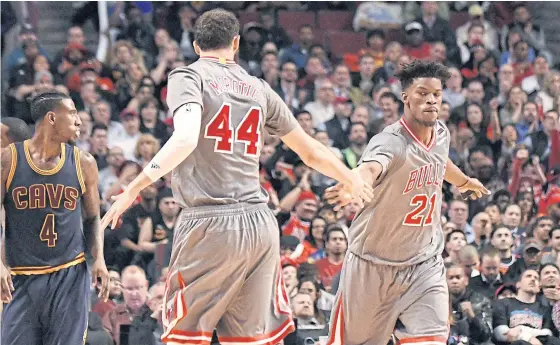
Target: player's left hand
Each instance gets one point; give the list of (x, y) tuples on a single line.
[(339, 196), (99, 272), (121, 203), (473, 188)]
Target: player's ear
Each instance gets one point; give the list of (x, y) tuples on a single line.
[(404, 97), (196, 48), (50, 117), (235, 43)]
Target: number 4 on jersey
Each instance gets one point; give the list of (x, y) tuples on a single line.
[(248, 131)]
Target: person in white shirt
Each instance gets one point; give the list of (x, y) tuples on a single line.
[(127, 138), (476, 14), (322, 108)]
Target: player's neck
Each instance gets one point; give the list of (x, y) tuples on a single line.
[(218, 53), (42, 144), (422, 132)]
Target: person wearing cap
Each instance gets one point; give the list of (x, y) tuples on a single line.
[(305, 208), (415, 45), (468, 305), (476, 16), (128, 138), (17, 55), (524, 319), (530, 257), (507, 290)]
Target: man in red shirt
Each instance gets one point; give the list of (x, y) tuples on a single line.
[(336, 245), (415, 46)]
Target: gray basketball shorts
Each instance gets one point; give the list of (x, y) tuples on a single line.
[(225, 274), (377, 301)]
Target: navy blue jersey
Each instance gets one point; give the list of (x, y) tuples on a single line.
[(43, 213)]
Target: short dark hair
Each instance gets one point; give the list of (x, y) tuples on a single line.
[(490, 252), (216, 29), (45, 102), (422, 69), (455, 231), (18, 130), (334, 228), (391, 96), (98, 127)]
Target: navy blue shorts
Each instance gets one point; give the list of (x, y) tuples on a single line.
[(48, 309)]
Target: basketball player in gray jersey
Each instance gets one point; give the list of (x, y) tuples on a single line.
[(225, 264), (393, 278)]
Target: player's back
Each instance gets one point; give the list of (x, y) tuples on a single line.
[(401, 226), (224, 167), (43, 213)]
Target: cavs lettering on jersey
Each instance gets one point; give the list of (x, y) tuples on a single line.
[(43, 213), (401, 226), (237, 109)]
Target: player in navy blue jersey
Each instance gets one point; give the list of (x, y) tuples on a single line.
[(51, 202)]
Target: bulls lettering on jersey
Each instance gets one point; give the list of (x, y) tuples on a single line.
[(237, 110), (401, 225)]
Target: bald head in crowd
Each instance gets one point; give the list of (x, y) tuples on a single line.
[(13, 130), (135, 287)]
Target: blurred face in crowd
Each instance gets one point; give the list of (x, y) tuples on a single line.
[(474, 115), (512, 216), (135, 290), (555, 240), (289, 274), (115, 287), (76, 35), (490, 267), (156, 298), (430, 8), (367, 65), (488, 67), (318, 226), (438, 52), (98, 140), (549, 276), (270, 47), (506, 74), (550, 121), (161, 38), (325, 93), (306, 36), (40, 64), (475, 92), (306, 122), (509, 134), (328, 214), (322, 137), (101, 113), (303, 306), (554, 84), (458, 213), (266, 152), (481, 224), (116, 156), (502, 239), (521, 15), (306, 209), (319, 52), (124, 55), (88, 93), (476, 34), (529, 282), (168, 207), (31, 51), (129, 173), (530, 112), (341, 76), (389, 106), (457, 240), (135, 72), (444, 112), (85, 127), (470, 262), (376, 42), (525, 201), (543, 228), (517, 96), (360, 114), (336, 243), (267, 20), (540, 66), (149, 193), (269, 63), (457, 280), (150, 112), (131, 124), (415, 38), (393, 52), (314, 67), (351, 210), (448, 228), (289, 72), (309, 288), (532, 256), (494, 212)]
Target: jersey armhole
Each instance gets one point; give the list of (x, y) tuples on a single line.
[(12, 167), (79, 169)]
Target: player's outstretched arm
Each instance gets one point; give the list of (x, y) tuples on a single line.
[(466, 185), (187, 121), (319, 157), (93, 233), (6, 285)]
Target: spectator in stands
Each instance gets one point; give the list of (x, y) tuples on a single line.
[(415, 45), (458, 215), (475, 36), (511, 219), (552, 256), (298, 52), (304, 204), (528, 31), (17, 56), (304, 313), (481, 228), (98, 145), (150, 122), (541, 231), (322, 109), (523, 319), (138, 31), (335, 247), (129, 137), (536, 83), (375, 45), (114, 159), (550, 283), (493, 210), (269, 68), (531, 257), (85, 130), (343, 85), (146, 148), (468, 305), (135, 293), (490, 278), (322, 300), (384, 74), (391, 106), (275, 33), (436, 29), (453, 93), (476, 16), (363, 79), (357, 136), (438, 53), (469, 259), (290, 276), (288, 89), (115, 295), (454, 241), (502, 240), (339, 126), (185, 35)]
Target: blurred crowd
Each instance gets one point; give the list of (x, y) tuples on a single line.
[(501, 106)]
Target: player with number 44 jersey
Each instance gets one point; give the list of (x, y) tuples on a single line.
[(224, 272)]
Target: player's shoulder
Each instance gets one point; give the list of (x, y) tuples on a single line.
[(86, 159), (193, 68), (390, 138)]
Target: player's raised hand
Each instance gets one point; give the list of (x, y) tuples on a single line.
[(360, 189), (99, 272), (473, 189), (339, 196), (121, 203), (6, 285)]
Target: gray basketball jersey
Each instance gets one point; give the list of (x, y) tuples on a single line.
[(237, 109), (401, 226)]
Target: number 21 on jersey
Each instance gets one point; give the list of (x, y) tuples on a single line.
[(248, 132), (423, 211)]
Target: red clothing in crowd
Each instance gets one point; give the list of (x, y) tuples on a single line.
[(327, 270)]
